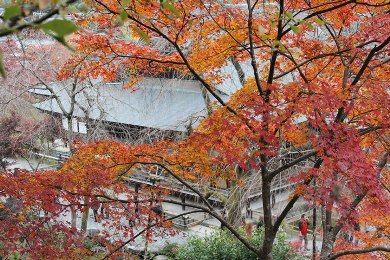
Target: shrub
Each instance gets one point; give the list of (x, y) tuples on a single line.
[(170, 250), (223, 245)]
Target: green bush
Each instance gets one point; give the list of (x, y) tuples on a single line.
[(170, 250), (223, 245)]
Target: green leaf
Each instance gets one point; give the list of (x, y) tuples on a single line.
[(265, 37), (294, 28), (276, 44), (11, 11), (125, 3), (123, 15), (318, 21), (2, 70), (117, 21), (273, 24), (126, 34), (167, 5), (59, 28), (141, 34), (62, 40), (282, 48), (311, 27), (290, 15)]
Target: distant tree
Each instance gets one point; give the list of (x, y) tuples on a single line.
[(9, 135), (19, 137)]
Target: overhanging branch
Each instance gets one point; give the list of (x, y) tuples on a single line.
[(147, 228), (177, 177), (359, 251)]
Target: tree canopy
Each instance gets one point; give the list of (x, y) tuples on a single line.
[(310, 77)]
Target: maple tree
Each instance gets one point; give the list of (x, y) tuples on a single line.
[(314, 81)]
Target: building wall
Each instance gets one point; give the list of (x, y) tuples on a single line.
[(78, 126)]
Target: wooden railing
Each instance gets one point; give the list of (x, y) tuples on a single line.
[(185, 221)]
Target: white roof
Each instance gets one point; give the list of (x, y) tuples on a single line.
[(166, 104), (231, 82)]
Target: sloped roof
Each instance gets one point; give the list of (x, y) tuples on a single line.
[(166, 104)]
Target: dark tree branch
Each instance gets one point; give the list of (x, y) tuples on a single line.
[(359, 251), (291, 164), (290, 57), (143, 58), (275, 52), (294, 199), (251, 48), (319, 57), (382, 163), (223, 221), (178, 49), (183, 57), (368, 59), (369, 130), (317, 165), (132, 164), (321, 12), (147, 228)]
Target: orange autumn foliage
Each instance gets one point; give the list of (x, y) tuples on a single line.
[(315, 84)]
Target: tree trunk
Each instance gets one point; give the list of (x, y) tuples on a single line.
[(327, 245), (329, 237), (269, 236), (314, 231), (240, 71), (73, 217), (84, 219), (207, 101), (3, 164), (70, 143)]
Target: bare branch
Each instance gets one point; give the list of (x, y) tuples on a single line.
[(175, 176), (220, 219), (321, 12), (251, 47), (291, 164), (359, 251), (147, 228), (319, 57), (368, 59)]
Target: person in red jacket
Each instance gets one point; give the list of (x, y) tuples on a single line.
[(303, 227)]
